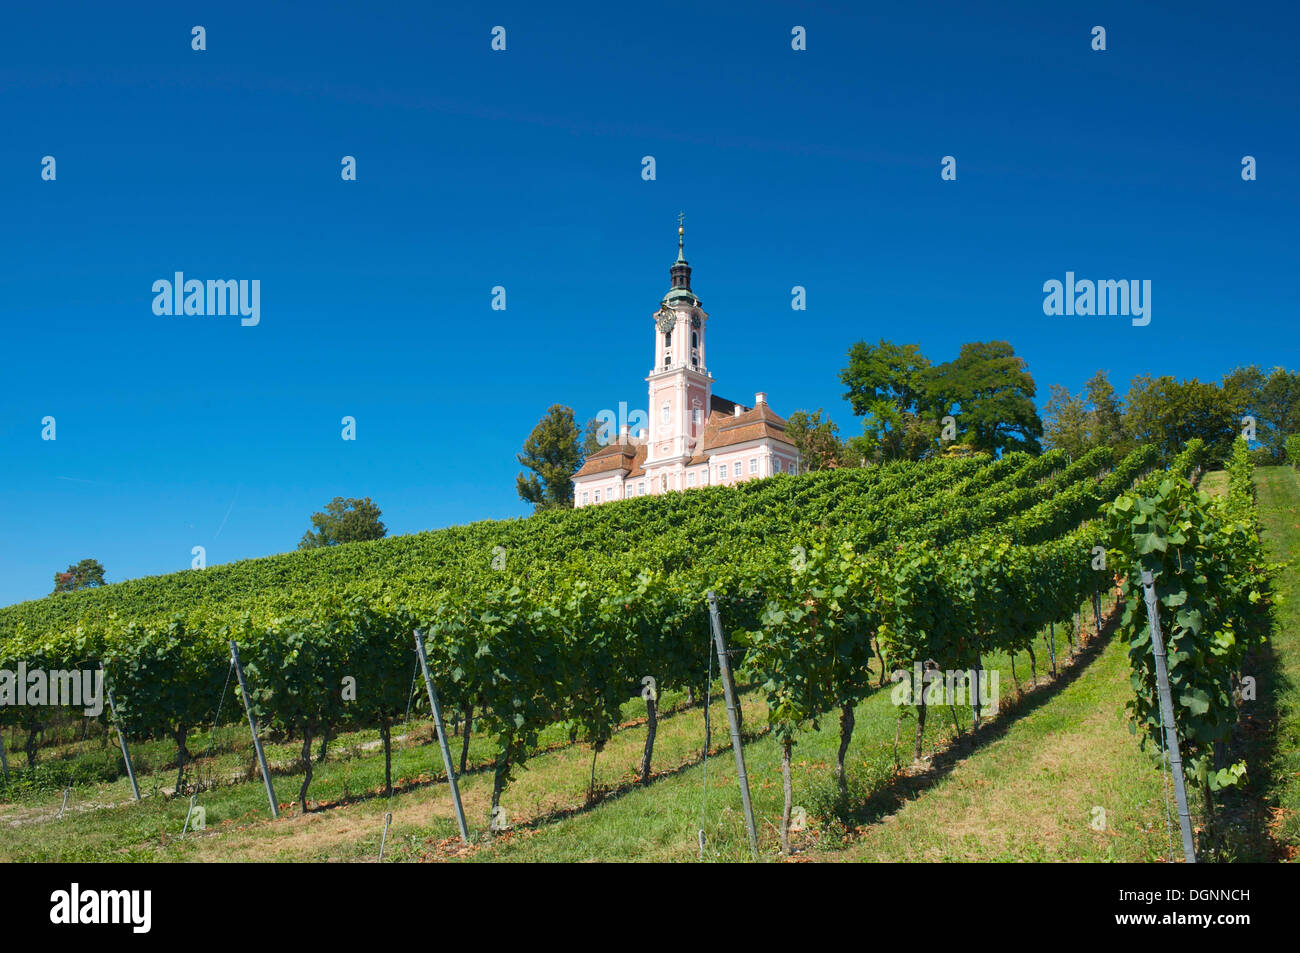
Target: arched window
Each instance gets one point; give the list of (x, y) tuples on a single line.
[(665, 413)]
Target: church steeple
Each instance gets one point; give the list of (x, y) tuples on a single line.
[(681, 271)]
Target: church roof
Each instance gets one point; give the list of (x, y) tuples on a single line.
[(726, 428), (612, 458), (720, 405)]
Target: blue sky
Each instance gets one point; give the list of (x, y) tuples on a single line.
[(477, 168)]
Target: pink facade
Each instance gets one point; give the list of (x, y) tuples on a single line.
[(693, 438)]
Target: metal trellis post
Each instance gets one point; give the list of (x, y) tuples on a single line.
[(442, 738), (1167, 711), (121, 735), (724, 666), (252, 726)]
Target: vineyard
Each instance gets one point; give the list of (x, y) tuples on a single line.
[(825, 583)]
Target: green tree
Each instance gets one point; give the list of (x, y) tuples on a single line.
[(1245, 385), (817, 440), (344, 521), (591, 437), (885, 382), (1105, 414), (1066, 423), (83, 575), (1273, 399), (1279, 411), (913, 438), (1167, 413), (553, 451), (990, 393)]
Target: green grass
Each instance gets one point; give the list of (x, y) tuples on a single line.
[(1277, 733)]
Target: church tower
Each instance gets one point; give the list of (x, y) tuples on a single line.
[(693, 438), (680, 383)]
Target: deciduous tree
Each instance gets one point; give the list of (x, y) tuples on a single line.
[(817, 440), (83, 575), (344, 521), (990, 392), (1065, 423)]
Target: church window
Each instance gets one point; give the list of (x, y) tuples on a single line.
[(753, 464), (690, 478), (665, 412), (722, 472)]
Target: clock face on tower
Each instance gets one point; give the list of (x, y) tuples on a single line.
[(667, 320)]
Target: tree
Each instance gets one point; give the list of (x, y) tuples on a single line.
[(1105, 415), (1273, 400), (83, 575), (1092, 419), (885, 382), (989, 391), (1280, 410), (553, 452), (591, 437), (1246, 387), (344, 521), (1167, 413), (914, 437), (1066, 423), (816, 440)]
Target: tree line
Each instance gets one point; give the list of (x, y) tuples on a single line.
[(981, 401)]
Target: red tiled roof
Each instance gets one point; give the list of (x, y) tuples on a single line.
[(725, 430), (612, 458)]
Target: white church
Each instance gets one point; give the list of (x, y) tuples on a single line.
[(694, 438)]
